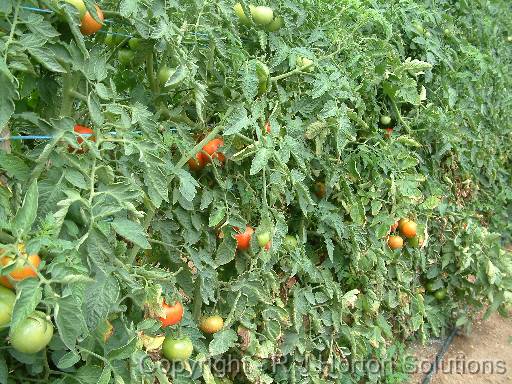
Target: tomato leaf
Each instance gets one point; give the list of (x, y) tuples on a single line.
[(27, 214), (28, 296), (131, 231), (222, 341)]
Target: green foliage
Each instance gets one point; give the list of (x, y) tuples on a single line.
[(122, 222)]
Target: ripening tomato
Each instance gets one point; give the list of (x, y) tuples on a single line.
[(7, 298), (212, 149), (385, 120), (401, 223), (261, 15), (320, 189), (389, 132), (173, 314), (177, 349), (196, 163), (263, 239), (22, 270), (90, 26), (395, 242), (32, 334), (4, 280), (267, 127), (409, 229), (79, 5), (211, 324), (243, 240)]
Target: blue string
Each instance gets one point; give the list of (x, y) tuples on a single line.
[(46, 137), (37, 9)]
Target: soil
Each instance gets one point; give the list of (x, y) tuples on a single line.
[(482, 357)]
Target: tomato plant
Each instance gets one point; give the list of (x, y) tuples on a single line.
[(33, 334), (177, 349), (173, 314), (133, 208)]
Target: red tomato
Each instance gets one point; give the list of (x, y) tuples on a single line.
[(388, 133), (212, 149), (197, 163), (243, 240), (90, 26), (173, 314), (81, 130)]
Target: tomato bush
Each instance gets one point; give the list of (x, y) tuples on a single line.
[(223, 117)]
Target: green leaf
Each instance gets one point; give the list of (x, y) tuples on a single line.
[(236, 121), (222, 341), (27, 214), (260, 160), (131, 231), (69, 320), (28, 297)]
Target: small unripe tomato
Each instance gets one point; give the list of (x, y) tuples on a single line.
[(125, 56), (90, 26), (395, 242), (211, 324), (385, 120), (243, 240), (173, 314), (177, 349), (7, 298), (134, 43), (409, 229), (263, 239), (33, 334), (261, 15), (164, 74), (290, 242), (440, 294)]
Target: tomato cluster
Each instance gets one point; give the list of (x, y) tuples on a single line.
[(408, 230), (209, 151)]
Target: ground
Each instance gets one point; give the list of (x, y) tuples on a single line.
[(482, 357)]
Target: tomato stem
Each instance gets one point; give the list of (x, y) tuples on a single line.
[(13, 28), (198, 300), (400, 118), (78, 95)]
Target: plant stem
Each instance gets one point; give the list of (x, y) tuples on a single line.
[(13, 28), (198, 300), (67, 98), (78, 95)]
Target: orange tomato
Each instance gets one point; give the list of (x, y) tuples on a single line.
[(22, 269), (197, 163), (395, 242), (409, 229), (393, 227), (243, 240), (212, 149), (401, 223), (173, 314), (89, 26), (4, 280)]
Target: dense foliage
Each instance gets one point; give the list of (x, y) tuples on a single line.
[(123, 219)]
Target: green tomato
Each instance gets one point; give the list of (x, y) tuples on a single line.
[(385, 120), (509, 39), (261, 15), (177, 349), (263, 239), (440, 294), (276, 24), (303, 61), (239, 11), (33, 334), (164, 74), (7, 298), (79, 5), (290, 242), (134, 43), (430, 287), (125, 56)]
